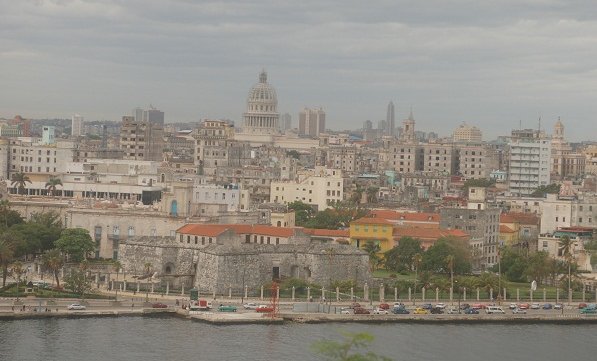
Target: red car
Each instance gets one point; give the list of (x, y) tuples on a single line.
[(582, 305), (384, 306), (355, 305), (524, 306), (478, 306), (159, 305), (361, 311), (264, 309)]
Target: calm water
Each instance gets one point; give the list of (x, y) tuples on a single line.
[(148, 339)]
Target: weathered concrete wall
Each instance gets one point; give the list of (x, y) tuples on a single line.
[(220, 266)]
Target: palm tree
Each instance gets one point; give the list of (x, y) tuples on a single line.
[(17, 269), (51, 185), (117, 267), (20, 180), (372, 250), (417, 259), (565, 250), (450, 263), (7, 250), (53, 261)]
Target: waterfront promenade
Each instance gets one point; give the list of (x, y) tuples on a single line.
[(134, 305)]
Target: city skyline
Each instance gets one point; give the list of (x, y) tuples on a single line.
[(491, 65)]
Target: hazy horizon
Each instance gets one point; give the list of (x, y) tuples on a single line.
[(490, 64)]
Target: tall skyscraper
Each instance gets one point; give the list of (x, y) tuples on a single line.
[(77, 125), (154, 116), (262, 115), (311, 122), (390, 123)]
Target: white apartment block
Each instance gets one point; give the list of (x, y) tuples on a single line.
[(568, 212), (530, 161), (322, 188), (228, 194)]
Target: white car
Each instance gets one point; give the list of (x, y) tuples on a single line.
[(345, 311), (379, 311), (452, 311), (76, 306), (513, 306), (558, 306), (250, 306), (441, 305), (518, 310), (535, 306)]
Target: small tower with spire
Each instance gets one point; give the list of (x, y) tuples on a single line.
[(408, 133)]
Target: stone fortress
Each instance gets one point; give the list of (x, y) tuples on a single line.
[(217, 258)]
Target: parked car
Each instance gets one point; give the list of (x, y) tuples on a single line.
[(361, 311), (478, 306), (592, 308), (452, 311), (227, 308), (471, 311), (558, 306), (250, 306), (582, 305), (547, 306), (159, 305), (441, 305), (345, 311), (519, 311), (524, 306), (427, 306), (384, 306), (379, 311), (464, 306), (494, 310), (264, 309), (355, 305), (76, 306), (436, 311), (513, 306), (399, 304), (421, 311), (535, 306), (400, 311)]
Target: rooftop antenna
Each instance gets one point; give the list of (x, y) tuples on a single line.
[(539, 124)]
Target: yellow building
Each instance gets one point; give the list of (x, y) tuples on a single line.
[(377, 230)]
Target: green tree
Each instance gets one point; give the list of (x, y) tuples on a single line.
[(488, 281), (372, 250), (513, 265), (8, 217), (400, 257), (20, 180), (541, 191), (51, 185), (78, 282), (76, 243), (372, 194), (538, 267), (565, 245), (117, 266), (349, 349), (434, 259), (7, 251), (53, 261), (293, 154), (302, 212)]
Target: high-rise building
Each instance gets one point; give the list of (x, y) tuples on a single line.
[(154, 116), (262, 115), (390, 123), (141, 140), (311, 122), (138, 114), (367, 125), (285, 122), (530, 161), (47, 136), (77, 126), (467, 134)]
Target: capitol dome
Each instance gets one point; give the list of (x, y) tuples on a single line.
[(262, 108)]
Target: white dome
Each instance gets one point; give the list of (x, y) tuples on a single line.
[(262, 92)]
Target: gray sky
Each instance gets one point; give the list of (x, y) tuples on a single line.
[(489, 63)]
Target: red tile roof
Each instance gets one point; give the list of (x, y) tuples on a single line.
[(506, 229), (327, 232), (213, 230), (521, 218), (371, 220)]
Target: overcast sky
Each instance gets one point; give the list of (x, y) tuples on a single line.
[(487, 63)]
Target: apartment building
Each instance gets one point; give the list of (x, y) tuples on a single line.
[(530, 161), (321, 188)]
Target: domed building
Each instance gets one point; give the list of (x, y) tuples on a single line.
[(262, 117)]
